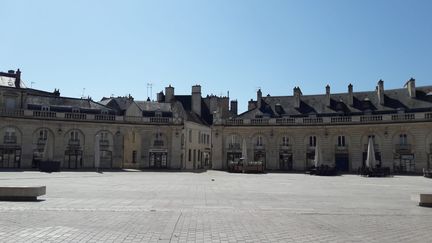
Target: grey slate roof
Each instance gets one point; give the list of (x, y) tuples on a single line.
[(394, 100)]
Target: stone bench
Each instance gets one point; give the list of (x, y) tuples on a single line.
[(21, 193), (424, 200)]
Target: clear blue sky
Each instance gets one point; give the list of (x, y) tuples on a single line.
[(117, 47)]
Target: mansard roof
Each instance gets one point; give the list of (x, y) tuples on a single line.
[(206, 117), (363, 102)]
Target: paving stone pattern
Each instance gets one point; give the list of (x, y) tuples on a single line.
[(191, 207)]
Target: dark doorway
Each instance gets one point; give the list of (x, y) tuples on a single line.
[(342, 162), (158, 160), (285, 161)]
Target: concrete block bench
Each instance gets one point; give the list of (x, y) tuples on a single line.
[(424, 200), (21, 193)]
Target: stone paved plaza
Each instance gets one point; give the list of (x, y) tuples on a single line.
[(215, 206)]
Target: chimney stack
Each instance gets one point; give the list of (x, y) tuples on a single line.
[(350, 95), (259, 97), (196, 99), (169, 93), (380, 92), (234, 107), (251, 105), (410, 84), (160, 97), (328, 95), (297, 93)]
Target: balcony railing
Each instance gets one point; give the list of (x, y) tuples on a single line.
[(234, 146), (312, 120), (103, 117), (259, 121), (403, 147), (14, 112), (159, 120), (341, 119), (402, 117), (234, 122), (45, 114), (75, 116), (370, 118), (282, 121)]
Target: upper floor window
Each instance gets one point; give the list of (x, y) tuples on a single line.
[(341, 141), (45, 108), (285, 141), (190, 136), (312, 141), (74, 135), (158, 114), (259, 141), (75, 110), (104, 112), (43, 134), (403, 139), (104, 136)]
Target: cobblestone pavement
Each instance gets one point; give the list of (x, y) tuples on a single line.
[(215, 206)]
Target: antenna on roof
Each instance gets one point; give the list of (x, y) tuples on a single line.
[(82, 95), (31, 85), (150, 86)]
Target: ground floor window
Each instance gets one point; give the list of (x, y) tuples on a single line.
[(259, 155), (403, 163), (73, 159), (233, 156), (10, 157)]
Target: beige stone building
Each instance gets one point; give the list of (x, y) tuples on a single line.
[(116, 132), (282, 131), (194, 132)]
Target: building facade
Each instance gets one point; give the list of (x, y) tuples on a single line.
[(195, 132), (282, 131)]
